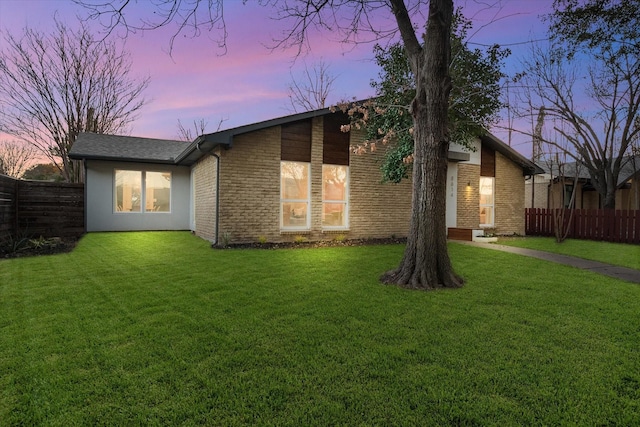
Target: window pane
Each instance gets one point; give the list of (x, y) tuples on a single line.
[(334, 195), (294, 193), (486, 191), (334, 182), (486, 215), (294, 180), (128, 191), (294, 214), (486, 201), (158, 191), (333, 214)]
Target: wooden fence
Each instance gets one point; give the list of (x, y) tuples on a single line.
[(590, 224), (35, 208)]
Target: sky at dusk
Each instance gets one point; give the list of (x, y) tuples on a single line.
[(248, 83)]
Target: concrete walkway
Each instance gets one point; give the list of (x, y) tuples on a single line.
[(622, 273)]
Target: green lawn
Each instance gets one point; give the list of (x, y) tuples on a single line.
[(611, 253), (159, 329)]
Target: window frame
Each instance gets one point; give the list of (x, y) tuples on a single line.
[(307, 201), (492, 205), (143, 191), (345, 202), (115, 205), (144, 181)]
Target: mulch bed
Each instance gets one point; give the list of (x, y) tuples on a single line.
[(317, 244), (37, 247)]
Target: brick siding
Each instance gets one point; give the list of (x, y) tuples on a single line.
[(204, 176), (509, 197), (250, 187), (250, 193), (377, 210), (468, 196)]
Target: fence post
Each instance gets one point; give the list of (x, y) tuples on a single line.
[(16, 200)]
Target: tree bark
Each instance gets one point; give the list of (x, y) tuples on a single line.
[(426, 263)]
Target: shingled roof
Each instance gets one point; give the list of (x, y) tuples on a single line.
[(630, 167), (94, 146)]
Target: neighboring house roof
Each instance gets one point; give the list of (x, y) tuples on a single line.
[(630, 167), (568, 170), (94, 146), (628, 170), (128, 148)]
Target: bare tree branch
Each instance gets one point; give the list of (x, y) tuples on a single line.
[(596, 103), (188, 17), (199, 128), (311, 90), (52, 87), (15, 158)]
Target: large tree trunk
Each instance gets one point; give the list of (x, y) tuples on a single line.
[(609, 201), (426, 263), (604, 181)]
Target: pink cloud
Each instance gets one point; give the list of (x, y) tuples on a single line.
[(248, 83)]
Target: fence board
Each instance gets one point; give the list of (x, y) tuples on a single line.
[(35, 208), (591, 224), (7, 206)]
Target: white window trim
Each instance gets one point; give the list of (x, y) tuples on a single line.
[(143, 193), (489, 205), (344, 202), (307, 225)]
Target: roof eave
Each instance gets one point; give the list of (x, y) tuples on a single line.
[(80, 156), (208, 142), (528, 167), (202, 145)]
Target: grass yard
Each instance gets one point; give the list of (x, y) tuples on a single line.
[(159, 329), (611, 253)]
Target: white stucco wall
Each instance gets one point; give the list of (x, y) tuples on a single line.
[(474, 154), (100, 213)]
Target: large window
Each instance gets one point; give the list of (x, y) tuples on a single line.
[(157, 191), (334, 196), (487, 206), (128, 191), (295, 195), (129, 194)]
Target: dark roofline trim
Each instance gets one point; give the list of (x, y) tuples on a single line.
[(208, 142), (123, 159)]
